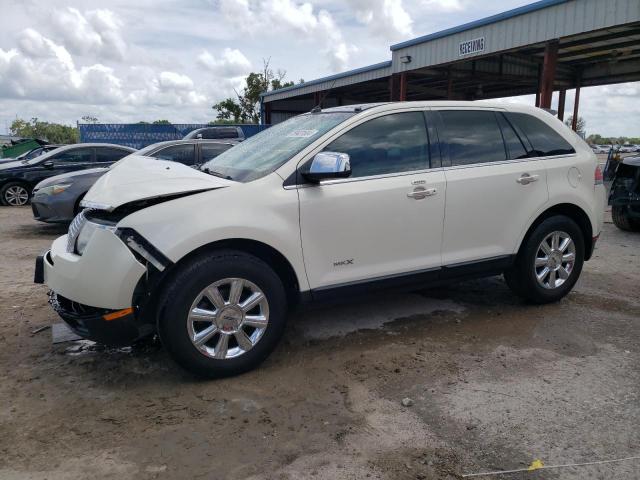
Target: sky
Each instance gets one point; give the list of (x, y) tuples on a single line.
[(144, 60)]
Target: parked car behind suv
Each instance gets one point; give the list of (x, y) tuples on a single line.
[(330, 203), (18, 178), (211, 133), (57, 199)]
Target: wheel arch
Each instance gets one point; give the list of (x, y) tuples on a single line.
[(263, 251), (575, 213)]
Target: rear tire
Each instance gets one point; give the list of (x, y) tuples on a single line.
[(623, 221), (549, 261), (207, 323)]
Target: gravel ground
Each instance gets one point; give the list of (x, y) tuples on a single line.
[(491, 383)]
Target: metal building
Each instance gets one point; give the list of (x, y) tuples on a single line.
[(546, 46)]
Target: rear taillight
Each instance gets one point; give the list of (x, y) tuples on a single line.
[(598, 178)]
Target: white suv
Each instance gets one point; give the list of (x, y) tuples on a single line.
[(332, 202)]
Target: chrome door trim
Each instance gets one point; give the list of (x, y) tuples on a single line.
[(362, 179)]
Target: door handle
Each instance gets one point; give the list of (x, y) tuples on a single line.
[(526, 179), (420, 192)]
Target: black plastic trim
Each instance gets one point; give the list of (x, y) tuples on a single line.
[(417, 279), (126, 232), (38, 276)]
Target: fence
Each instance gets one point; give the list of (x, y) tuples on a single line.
[(139, 135)]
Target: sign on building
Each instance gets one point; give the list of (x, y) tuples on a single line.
[(471, 46)]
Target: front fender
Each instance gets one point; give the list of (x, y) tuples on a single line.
[(262, 211)]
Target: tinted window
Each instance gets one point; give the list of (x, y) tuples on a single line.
[(544, 139), (515, 148), (77, 155), (178, 153), (110, 154), (212, 150), (473, 136), (389, 144), (220, 132)]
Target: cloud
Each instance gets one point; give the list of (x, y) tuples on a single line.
[(386, 18), (443, 5), (232, 63), (40, 69), (96, 32), (300, 20)]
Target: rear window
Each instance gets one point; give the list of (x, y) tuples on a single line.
[(473, 136), (544, 140)]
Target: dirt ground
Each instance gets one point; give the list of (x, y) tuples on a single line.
[(495, 384)]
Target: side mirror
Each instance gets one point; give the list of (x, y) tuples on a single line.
[(326, 165), (48, 164)]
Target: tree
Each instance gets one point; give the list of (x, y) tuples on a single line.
[(161, 122), (245, 107), (89, 119), (581, 127), (51, 132)]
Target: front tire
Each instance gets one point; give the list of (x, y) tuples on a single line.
[(549, 261), (223, 314), (15, 194)]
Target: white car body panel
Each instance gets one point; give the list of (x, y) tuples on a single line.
[(486, 208), (366, 228), (137, 178), (242, 211)]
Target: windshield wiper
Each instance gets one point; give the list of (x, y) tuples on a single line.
[(216, 174)]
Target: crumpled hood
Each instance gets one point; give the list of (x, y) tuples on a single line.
[(141, 178)]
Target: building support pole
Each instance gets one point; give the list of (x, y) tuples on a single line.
[(548, 74), (317, 99), (576, 106), (450, 86), (403, 87), (398, 87), (267, 113), (561, 101)]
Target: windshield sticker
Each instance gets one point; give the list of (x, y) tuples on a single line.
[(302, 133)]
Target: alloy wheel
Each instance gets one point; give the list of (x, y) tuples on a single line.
[(555, 259), (228, 318), (16, 195)]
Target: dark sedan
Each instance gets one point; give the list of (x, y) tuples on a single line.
[(18, 178), (58, 199)]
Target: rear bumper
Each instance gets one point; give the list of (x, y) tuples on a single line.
[(94, 323)]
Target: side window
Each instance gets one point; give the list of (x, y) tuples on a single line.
[(390, 144), (220, 132), (515, 148), (212, 150), (110, 154), (544, 139), (178, 153), (77, 155), (473, 136)]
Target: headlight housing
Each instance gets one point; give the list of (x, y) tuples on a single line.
[(87, 231), (54, 189), (82, 229)]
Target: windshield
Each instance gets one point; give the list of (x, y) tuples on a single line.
[(265, 152)]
